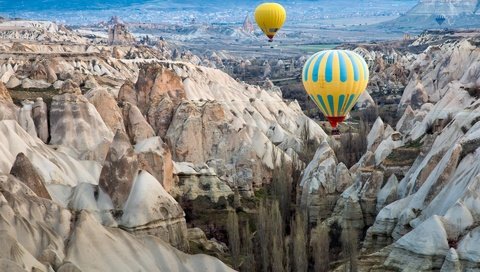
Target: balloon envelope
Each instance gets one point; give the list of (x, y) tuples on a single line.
[(334, 80), (270, 17), (440, 19)]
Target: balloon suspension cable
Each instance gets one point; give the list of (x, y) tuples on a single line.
[(334, 120)]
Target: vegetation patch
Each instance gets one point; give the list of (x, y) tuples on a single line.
[(261, 194), (353, 144), (19, 94), (403, 156), (414, 144)]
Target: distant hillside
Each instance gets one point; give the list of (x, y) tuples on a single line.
[(445, 7), (457, 14)]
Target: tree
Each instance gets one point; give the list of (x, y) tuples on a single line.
[(309, 146), (275, 230), (353, 144), (261, 238), (233, 238), (270, 236), (248, 263), (349, 241), (281, 187), (300, 259), (320, 244)]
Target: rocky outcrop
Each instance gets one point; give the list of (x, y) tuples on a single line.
[(372, 183), (422, 249), (40, 118), (90, 83), (136, 126), (76, 124), (160, 115), (451, 263), (23, 170), (54, 166), (406, 122), (127, 93), (119, 170), (105, 188), (38, 244), (154, 253), (149, 209), (390, 142), (376, 134), (419, 222), (13, 82), (439, 66), (154, 157), (148, 107), (141, 203), (199, 239), (7, 108), (194, 182), (34, 84), (388, 193), (434, 215), (37, 238), (25, 118), (118, 34), (107, 107), (43, 71), (155, 81), (319, 184), (39, 31)]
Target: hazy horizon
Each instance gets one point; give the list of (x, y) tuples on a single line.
[(160, 11)]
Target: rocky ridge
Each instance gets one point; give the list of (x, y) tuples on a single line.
[(107, 154), (414, 191)]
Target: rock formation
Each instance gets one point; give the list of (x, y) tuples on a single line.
[(7, 108), (23, 170), (40, 118), (119, 170), (107, 107), (118, 34), (75, 123), (424, 220), (97, 158), (154, 157), (39, 243)]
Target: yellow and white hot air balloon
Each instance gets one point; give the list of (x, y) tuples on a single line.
[(270, 17), (335, 79)]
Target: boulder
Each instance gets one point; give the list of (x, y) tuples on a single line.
[(119, 170), (23, 170)]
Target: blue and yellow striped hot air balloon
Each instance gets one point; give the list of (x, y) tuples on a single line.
[(335, 79)]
